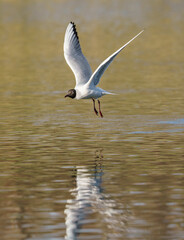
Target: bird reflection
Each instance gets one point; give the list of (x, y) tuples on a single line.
[(88, 198)]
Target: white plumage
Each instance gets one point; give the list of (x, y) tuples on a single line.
[(86, 82)]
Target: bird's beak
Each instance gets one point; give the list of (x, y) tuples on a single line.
[(66, 95)]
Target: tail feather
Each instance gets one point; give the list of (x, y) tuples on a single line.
[(105, 93)]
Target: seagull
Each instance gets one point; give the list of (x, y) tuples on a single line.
[(86, 81)]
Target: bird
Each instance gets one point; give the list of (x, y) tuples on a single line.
[(86, 81)]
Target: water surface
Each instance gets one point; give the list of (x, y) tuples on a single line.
[(67, 174)]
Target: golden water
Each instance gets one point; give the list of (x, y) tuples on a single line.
[(66, 173)]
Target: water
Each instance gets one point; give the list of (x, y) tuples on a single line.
[(67, 174)]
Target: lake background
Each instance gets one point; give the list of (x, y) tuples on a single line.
[(67, 174)]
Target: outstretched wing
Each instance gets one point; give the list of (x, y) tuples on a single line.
[(95, 78), (74, 56)]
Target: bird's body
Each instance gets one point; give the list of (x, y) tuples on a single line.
[(85, 92), (86, 81)]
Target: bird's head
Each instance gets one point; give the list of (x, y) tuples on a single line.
[(71, 93)]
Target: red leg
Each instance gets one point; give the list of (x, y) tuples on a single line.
[(96, 112), (101, 115)]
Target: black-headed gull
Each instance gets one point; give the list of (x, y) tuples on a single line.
[(86, 81)]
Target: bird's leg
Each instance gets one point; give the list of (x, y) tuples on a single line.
[(101, 115), (96, 112)]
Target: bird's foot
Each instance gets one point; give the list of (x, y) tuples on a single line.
[(101, 115), (96, 112)]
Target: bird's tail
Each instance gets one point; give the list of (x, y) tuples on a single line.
[(105, 93)]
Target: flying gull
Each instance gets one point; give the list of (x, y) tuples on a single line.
[(86, 81)]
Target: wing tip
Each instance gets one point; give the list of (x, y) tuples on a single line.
[(74, 29)]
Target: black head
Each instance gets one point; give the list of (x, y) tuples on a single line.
[(71, 93)]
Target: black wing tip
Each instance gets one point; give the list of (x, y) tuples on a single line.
[(74, 29)]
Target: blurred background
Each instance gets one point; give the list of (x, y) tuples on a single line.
[(65, 173)]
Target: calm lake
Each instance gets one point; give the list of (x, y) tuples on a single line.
[(66, 173)]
